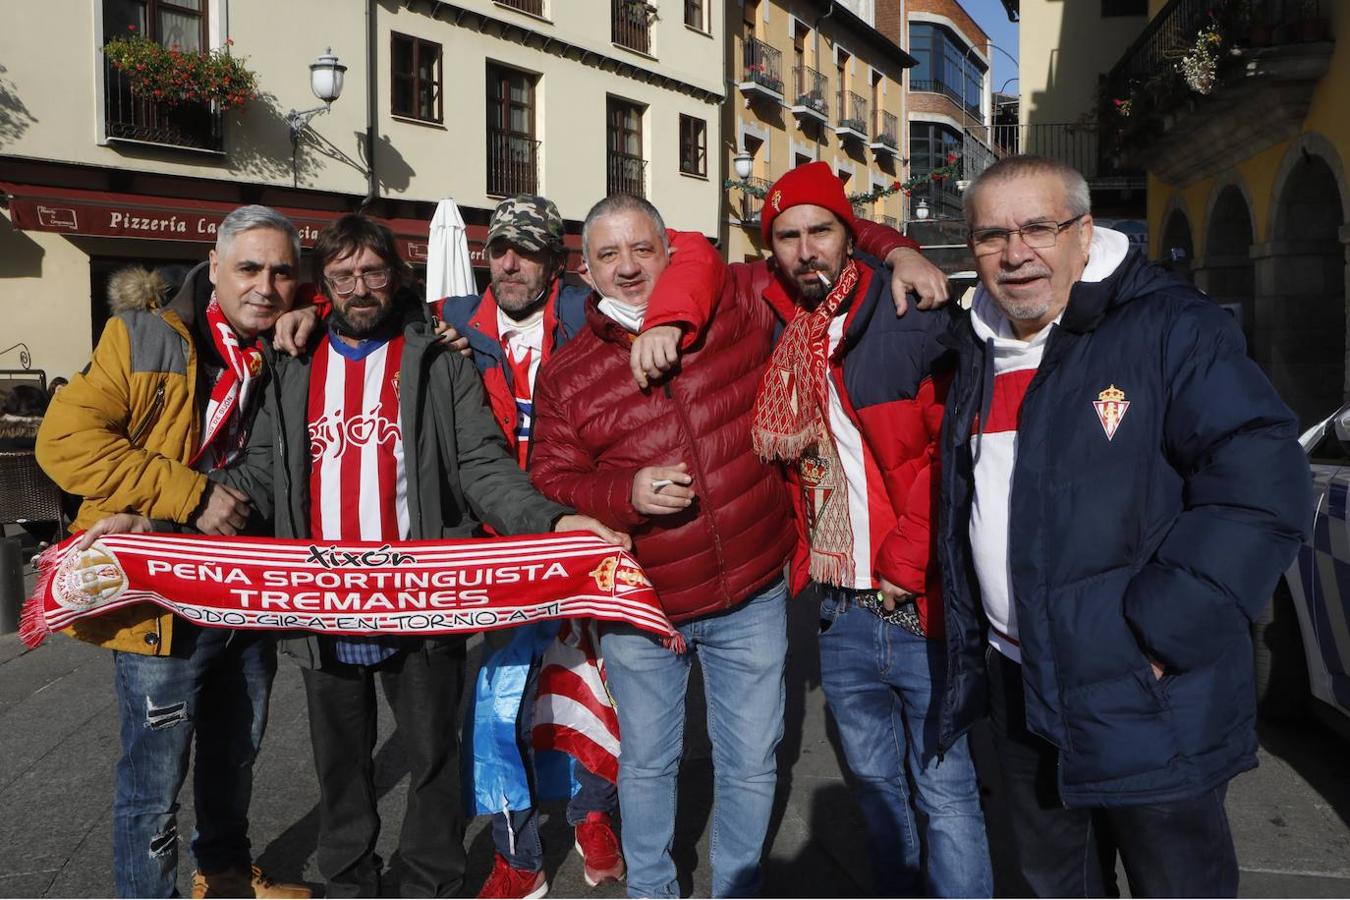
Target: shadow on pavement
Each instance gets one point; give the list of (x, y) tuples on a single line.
[(1306, 745)]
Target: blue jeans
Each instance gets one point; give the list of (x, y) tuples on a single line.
[(214, 687), (743, 654), (594, 794), (884, 687)]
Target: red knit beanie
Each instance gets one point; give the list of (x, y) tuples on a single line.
[(812, 184)]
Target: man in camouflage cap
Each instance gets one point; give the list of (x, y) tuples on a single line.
[(526, 313)]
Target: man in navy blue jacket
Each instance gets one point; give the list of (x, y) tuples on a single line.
[(1121, 487)]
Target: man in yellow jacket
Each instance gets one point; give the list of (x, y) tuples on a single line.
[(167, 398)]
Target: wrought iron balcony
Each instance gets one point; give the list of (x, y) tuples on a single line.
[(763, 70), (512, 164), (886, 135), (852, 116), (631, 24), (130, 117), (810, 87), (627, 174), (1243, 93)]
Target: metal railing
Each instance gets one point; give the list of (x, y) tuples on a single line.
[(852, 111), (512, 164), (811, 87), (626, 174), (1171, 34), (952, 93), (631, 24), (134, 118), (1074, 143), (751, 205), (533, 7), (764, 64), (887, 131)]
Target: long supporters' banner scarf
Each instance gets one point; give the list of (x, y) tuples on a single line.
[(355, 588), (229, 395), (791, 412)]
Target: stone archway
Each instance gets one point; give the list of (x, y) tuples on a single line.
[(1178, 250), (1226, 271), (1300, 318)]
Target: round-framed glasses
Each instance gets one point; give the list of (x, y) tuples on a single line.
[(345, 284)]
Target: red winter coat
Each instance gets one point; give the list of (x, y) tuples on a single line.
[(594, 429)]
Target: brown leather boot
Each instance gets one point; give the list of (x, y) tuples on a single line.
[(244, 881)]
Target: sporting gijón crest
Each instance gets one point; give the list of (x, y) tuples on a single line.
[(1111, 407)]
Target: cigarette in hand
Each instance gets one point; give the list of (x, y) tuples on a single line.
[(660, 483)]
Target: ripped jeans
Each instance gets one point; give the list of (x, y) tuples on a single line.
[(214, 686)]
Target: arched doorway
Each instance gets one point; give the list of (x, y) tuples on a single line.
[(1300, 310), (1177, 247), (1226, 272)]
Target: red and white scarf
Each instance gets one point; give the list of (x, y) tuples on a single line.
[(791, 413), (221, 431), (350, 587)]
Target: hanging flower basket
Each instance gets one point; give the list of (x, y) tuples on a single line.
[(172, 76)]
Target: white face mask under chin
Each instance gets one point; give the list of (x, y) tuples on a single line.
[(630, 317)]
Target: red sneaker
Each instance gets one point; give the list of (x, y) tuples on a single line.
[(508, 882), (599, 849)]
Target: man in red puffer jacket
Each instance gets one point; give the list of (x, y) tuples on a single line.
[(672, 464)]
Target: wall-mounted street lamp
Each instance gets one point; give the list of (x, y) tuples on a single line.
[(325, 80), (744, 164), (921, 211)]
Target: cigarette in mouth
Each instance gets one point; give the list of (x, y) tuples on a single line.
[(824, 279)]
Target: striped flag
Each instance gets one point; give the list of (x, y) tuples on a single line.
[(574, 712)]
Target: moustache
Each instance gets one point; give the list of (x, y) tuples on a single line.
[(1019, 275)]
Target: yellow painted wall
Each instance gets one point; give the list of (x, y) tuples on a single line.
[(1258, 173), (783, 134), (1064, 45)]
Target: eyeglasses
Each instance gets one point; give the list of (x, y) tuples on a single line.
[(1037, 235), (345, 284)]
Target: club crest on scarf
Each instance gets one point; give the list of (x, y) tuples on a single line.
[(89, 579)]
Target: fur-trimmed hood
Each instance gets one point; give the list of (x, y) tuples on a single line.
[(135, 288)]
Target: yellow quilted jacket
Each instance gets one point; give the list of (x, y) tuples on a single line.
[(120, 435)]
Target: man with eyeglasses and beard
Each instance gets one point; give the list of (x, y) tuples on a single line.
[(1121, 488), (380, 432)]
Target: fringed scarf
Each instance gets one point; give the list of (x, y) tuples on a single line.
[(791, 413)]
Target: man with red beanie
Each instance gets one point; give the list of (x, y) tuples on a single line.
[(850, 403)]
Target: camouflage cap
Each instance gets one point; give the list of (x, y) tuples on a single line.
[(528, 222)]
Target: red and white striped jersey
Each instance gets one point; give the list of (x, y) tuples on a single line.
[(994, 444), (358, 487)]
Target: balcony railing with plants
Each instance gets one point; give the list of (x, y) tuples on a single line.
[(764, 65), (627, 174), (1193, 47), (512, 164), (811, 87), (533, 7), (887, 132), (752, 201), (631, 24), (164, 95), (853, 111)]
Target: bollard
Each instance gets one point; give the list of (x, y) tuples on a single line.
[(11, 584)]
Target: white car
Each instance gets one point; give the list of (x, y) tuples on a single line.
[(1303, 641)]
